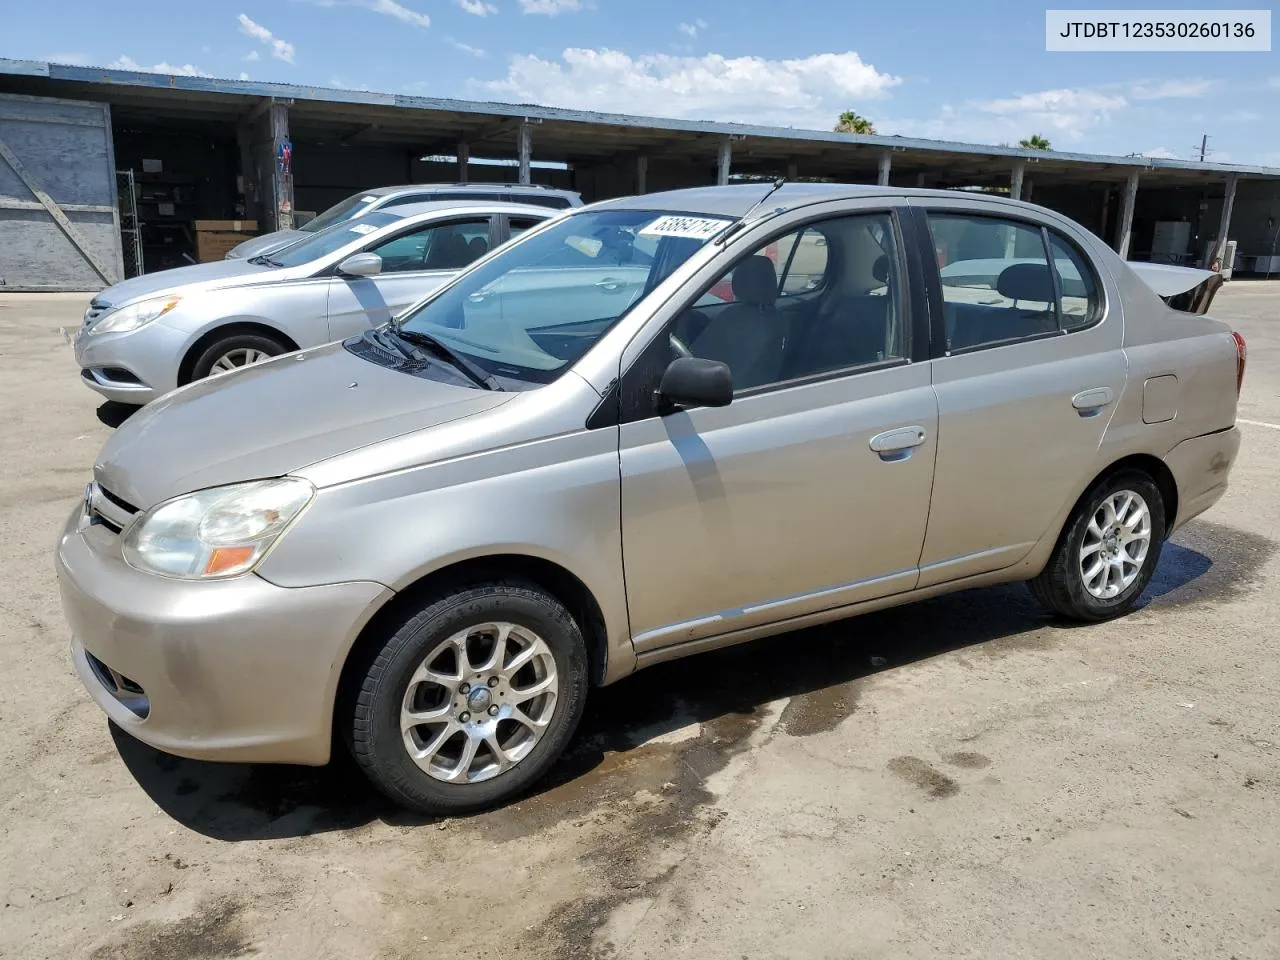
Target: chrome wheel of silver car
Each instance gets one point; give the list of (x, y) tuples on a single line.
[(235, 359), (479, 702), (1115, 545)]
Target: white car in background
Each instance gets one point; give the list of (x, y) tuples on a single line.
[(151, 334)]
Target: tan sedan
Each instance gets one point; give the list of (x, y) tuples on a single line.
[(647, 428)]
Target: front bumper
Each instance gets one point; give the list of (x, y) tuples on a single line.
[(133, 367), (236, 669)]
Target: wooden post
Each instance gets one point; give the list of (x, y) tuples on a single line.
[(920, 179), (248, 174), (642, 173), (1124, 229), (1015, 179), (886, 164), (464, 158), (793, 170), (1027, 186), (723, 160), (524, 143), (1224, 224), (271, 119)]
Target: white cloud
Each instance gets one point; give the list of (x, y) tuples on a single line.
[(1241, 116), (465, 47), (1171, 89), (243, 75), (807, 92), (1067, 112), (70, 59), (691, 29), (252, 56), (550, 8), (124, 62), (392, 9), (1160, 153), (477, 8), (280, 49)]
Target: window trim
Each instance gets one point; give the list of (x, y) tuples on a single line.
[(933, 277), (609, 413)]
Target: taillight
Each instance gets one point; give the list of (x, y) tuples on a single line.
[(1242, 354)]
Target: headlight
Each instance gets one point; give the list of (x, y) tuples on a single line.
[(220, 532), (133, 316)]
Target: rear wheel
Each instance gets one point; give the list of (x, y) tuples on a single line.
[(472, 699), (1108, 551), (234, 351)]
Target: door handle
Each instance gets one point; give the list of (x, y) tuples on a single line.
[(1089, 403), (897, 444), (477, 297), (609, 284)]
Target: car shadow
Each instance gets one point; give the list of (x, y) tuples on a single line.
[(255, 802), (112, 414)]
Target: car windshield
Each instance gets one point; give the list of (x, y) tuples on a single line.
[(327, 241), (348, 209), (534, 309)]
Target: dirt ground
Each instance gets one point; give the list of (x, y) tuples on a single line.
[(962, 778)]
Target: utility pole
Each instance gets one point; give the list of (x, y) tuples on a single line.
[(1204, 146)]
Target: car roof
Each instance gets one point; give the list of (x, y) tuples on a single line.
[(735, 200), (465, 187), (483, 207)]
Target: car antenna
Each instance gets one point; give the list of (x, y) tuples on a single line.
[(741, 221)]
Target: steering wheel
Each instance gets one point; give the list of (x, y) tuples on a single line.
[(679, 346)]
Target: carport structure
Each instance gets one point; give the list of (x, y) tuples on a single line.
[(229, 138)]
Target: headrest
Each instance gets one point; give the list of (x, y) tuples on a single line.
[(478, 246), (755, 281), (880, 269), (1026, 281)]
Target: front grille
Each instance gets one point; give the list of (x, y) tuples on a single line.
[(95, 309), (106, 508), (128, 692)]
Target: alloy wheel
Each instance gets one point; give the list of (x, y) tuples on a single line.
[(1115, 544), (479, 702), (237, 358)]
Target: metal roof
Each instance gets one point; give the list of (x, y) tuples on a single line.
[(433, 124)]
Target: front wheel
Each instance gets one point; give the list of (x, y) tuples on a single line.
[(234, 351), (472, 699), (1108, 551)]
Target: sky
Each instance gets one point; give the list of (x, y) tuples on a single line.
[(921, 68)]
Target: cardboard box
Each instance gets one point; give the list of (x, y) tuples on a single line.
[(233, 226), (215, 237)]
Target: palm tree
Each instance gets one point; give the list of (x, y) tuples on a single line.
[(1035, 142), (850, 122)]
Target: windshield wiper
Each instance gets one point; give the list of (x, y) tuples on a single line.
[(392, 345), (263, 260), (473, 372)]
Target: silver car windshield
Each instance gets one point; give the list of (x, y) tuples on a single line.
[(348, 209), (327, 241), (537, 307)]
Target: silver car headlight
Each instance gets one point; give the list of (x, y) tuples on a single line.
[(215, 533), (133, 316)]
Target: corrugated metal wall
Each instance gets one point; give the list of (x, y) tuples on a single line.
[(59, 227)]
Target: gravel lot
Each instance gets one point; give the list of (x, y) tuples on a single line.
[(962, 778)]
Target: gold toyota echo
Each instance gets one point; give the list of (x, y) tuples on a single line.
[(645, 428)]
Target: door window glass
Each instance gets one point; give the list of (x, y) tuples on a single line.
[(996, 284), (825, 297), (447, 246), (1081, 305)]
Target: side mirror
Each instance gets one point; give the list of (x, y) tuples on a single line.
[(361, 265), (694, 382)]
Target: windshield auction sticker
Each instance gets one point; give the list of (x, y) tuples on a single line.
[(1190, 31), (695, 228)]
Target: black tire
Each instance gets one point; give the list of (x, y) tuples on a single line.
[(260, 342), (1061, 585), (374, 722)]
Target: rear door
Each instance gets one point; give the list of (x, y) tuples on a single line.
[(1027, 369), (414, 262)]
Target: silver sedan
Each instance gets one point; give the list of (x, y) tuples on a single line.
[(148, 335)]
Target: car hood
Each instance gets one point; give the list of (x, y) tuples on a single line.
[(272, 418), (267, 243), (197, 276)]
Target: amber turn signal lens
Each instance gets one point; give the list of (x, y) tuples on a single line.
[(227, 559)]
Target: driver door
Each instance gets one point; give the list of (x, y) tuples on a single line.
[(811, 489)]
